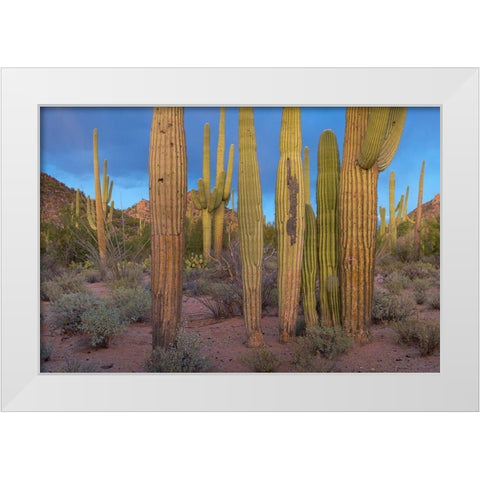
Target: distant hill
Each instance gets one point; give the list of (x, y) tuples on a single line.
[(430, 209), (55, 196)]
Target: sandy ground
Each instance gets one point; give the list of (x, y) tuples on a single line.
[(224, 345)]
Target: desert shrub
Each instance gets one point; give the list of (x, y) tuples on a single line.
[(183, 356), (425, 336), (404, 249), (306, 361), (224, 300), (92, 275), (67, 282), (434, 300), (102, 322), (126, 274), (46, 350), (327, 341), (420, 286), (386, 264), (430, 239), (133, 304), (68, 309), (414, 270), (260, 360), (72, 365), (147, 264), (388, 307), (396, 282)]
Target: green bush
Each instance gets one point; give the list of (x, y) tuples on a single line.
[(326, 341), (67, 282), (184, 356), (68, 309), (126, 274), (102, 322), (396, 282), (133, 304), (260, 360), (420, 286), (425, 336), (388, 307)]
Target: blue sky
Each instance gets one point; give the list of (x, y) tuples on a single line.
[(123, 138)]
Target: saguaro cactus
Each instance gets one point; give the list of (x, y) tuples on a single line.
[(168, 201), (365, 129), (289, 221), (327, 223), (310, 252), (207, 201), (102, 198), (223, 184), (418, 213), (383, 222), (392, 221), (250, 224)]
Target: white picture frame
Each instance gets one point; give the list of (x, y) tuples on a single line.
[(455, 388)]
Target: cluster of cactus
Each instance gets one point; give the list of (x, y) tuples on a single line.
[(212, 203), (195, 261)]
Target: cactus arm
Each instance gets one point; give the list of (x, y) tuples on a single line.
[(306, 175), (196, 200), (92, 221), (220, 146), (206, 161), (392, 224), (393, 134), (229, 176), (374, 138), (418, 214)]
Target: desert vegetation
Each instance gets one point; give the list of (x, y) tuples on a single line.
[(193, 285)]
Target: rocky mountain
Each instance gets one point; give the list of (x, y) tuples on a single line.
[(55, 196), (430, 209)]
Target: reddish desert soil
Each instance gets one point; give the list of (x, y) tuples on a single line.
[(223, 344)]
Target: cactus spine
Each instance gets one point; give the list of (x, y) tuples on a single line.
[(327, 224), (223, 184), (358, 210), (250, 223), (418, 213), (310, 259), (289, 221), (168, 200)]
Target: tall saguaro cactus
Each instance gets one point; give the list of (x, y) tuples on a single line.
[(418, 213), (224, 184), (392, 220), (168, 201), (310, 252), (372, 135), (289, 221), (208, 202), (328, 180), (250, 224), (102, 198)]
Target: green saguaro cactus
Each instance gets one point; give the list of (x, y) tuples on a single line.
[(310, 253), (418, 213), (223, 184), (168, 200), (289, 221), (366, 128), (97, 210), (383, 221), (328, 179), (206, 201), (250, 225), (392, 221)]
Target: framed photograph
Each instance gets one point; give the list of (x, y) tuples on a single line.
[(54, 121)]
